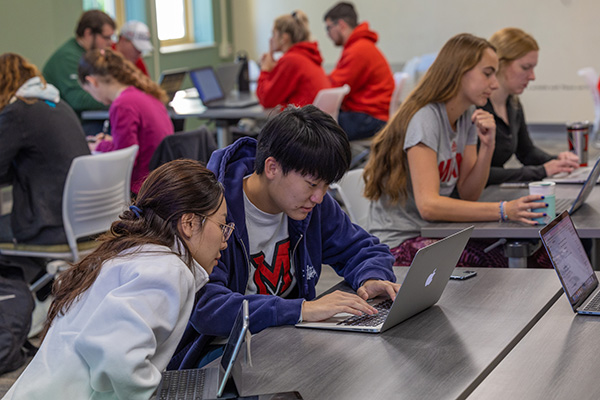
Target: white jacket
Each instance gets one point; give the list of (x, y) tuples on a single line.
[(114, 342)]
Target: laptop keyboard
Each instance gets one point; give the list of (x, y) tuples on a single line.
[(187, 384), (593, 305), (383, 309), (562, 205)]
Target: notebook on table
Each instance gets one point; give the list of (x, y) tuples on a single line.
[(170, 81), (212, 94), (571, 205), (422, 287), (572, 265)]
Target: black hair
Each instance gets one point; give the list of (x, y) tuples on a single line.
[(345, 11), (305, 140), (95, 20)]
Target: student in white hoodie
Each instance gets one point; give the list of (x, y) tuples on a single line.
[(119, 314)]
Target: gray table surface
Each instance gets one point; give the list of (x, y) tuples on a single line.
[(441, 353), (557, 359), (586, 218)]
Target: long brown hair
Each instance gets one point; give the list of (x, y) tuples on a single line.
[(108, 64), (386, 172), (176, 188), (14, 72)]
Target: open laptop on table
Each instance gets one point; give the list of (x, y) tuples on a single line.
[(571, 205), (422, 287), (212, 383), (228, 74), (580, 175), (572, 264), (170, 81), (212, 94)]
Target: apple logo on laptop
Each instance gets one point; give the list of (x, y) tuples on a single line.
[(430, 278)]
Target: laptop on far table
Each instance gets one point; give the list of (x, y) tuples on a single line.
[(572, 265), (228, 74), (170, 81), (422, 287), (571, 205), (580, 175), (212, 94)]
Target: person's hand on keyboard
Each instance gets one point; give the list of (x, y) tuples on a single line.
[(566, 163), (373, 288), (335, 303)]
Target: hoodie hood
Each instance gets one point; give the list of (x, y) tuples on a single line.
[(362, 32), (35, 88), (309, 50)]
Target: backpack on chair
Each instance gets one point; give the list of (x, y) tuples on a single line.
[(16, 307)]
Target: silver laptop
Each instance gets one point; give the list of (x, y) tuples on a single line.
[(228, 74), (580, 175), (572, 265), (170, 81), (212, 94), (571, 205), (207, 383), (422, 287)]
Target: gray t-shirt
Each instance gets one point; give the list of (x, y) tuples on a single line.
[(393, 224)]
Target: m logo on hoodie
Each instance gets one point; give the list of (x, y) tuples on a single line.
[(274, 278)]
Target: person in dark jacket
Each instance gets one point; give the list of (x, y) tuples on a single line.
[(40, 136), (518, 55), (287, 226)]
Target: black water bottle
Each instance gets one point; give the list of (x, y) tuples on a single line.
[(243, 78)]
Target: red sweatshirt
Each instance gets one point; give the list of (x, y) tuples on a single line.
[(296, 78), (365, 69)]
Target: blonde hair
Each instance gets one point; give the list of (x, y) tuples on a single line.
[(14, 72), (512, 44), (295, 25), (107, 64), (386, 172)]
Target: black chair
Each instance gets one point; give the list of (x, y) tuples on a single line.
[(195, 145)]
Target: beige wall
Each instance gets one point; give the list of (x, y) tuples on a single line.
[(567, 31)]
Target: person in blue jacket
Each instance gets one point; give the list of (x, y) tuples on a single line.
[(287, 226)]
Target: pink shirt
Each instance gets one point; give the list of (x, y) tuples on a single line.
[(137, 118)]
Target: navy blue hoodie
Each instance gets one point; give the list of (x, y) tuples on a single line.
[(325, 236)]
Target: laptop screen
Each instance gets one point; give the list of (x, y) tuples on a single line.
[(569, 258), (589, 184), (234, 345), (206, 82), (170, 81)]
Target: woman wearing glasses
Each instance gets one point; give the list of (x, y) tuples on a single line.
[(119, 313)]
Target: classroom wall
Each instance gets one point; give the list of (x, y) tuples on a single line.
[(566, 30), (35, 28)]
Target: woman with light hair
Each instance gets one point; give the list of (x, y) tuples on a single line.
[(518, 56), (428, 152), (297, 76)]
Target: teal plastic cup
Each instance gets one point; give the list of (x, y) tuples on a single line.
[(546, 189)]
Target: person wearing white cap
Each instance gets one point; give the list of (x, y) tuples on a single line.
[(134, 42)]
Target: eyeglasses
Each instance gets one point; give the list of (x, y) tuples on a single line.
[(108, 38), (330, 27), (227, 229)]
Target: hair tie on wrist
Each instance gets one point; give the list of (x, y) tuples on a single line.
[(136, 210)]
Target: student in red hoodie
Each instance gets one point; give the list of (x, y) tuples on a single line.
[(362, 66), (297, 76)]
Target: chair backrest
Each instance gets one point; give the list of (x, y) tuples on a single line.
[(330, 100), (400, 79), (591, 78), (96, 191), (196, 145), (350, 189)]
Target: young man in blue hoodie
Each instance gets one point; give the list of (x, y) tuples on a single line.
[(286, 227)]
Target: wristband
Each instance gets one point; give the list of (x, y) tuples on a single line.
[(503, 215)]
